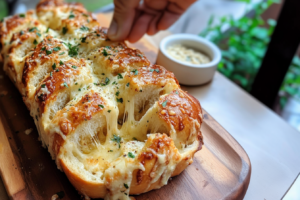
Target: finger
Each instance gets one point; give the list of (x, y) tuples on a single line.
[(140, 27), (123, 18), (167, 20), (152, 28)]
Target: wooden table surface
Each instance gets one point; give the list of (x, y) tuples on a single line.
[(272, 145)]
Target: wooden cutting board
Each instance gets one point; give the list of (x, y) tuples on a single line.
[(221, 170)]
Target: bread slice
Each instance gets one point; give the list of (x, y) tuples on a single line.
[(113, 122)]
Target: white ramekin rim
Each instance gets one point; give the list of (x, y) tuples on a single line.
[(195, 38)]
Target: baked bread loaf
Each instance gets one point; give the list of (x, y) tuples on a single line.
[(114, 123)]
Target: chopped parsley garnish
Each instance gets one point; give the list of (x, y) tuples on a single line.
[(120, 100), (176, 92), (131, 155), (164, 103), (127, 84), (65, 84), (136, 72), (126, 186), (73, 50), (84, 28), (48, 52), (101, 106), (61, 62), (35, 42), (32, 29), (54, 66), (134, 138), (83, 39), (140, 55), (74, 67), (71, 16), (84, 14), (120, 76), (50, 74), (21, 32), (116, 139), (79, 89), (43, 85), (151, 70), (43, 49), (61, 53), (104, 52), (56, 48), (38, 34), (157, 70), (110, 150), (47, 30), (117, 93), (114, 83), (108, 47), (64, 30), (22, 15), (107, 81), (109, 111)]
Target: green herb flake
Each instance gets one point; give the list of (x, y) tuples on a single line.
[(79, 89), (127, 84), (32, 29), (74, 67), (136, 72), (47, 30), (120, 76), (151, 70), (134, 138), (140, 55), (84, 14), (107, 81), (35, 42), (176, 92), (120, 100), (164, 103), (71, 16), (84, 28), (131, 155), (43, 49), (101, 106), (126, 186), (22, 15), (83, 39), (48, 52), (38, 34), (65, 84), (21, 32), (51, 74), (116, 139), (56, 48), (157, 70), (54, 66), (117, 93), (64, 30), (104, 52), (61, 62), (109, 111), (62, 53), (43, 85)]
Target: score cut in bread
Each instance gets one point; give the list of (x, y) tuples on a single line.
[(114, 123)]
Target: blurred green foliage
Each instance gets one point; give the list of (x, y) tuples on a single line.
[(3, 9), (92, 5), (244, 45)]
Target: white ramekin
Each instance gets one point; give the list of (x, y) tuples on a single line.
[(186, 73)]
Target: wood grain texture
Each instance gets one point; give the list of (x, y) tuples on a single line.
[(221, 170)]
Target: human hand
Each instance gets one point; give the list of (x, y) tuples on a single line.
[(133, 19)]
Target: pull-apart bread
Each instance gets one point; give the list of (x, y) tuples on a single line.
[(114, 123)]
